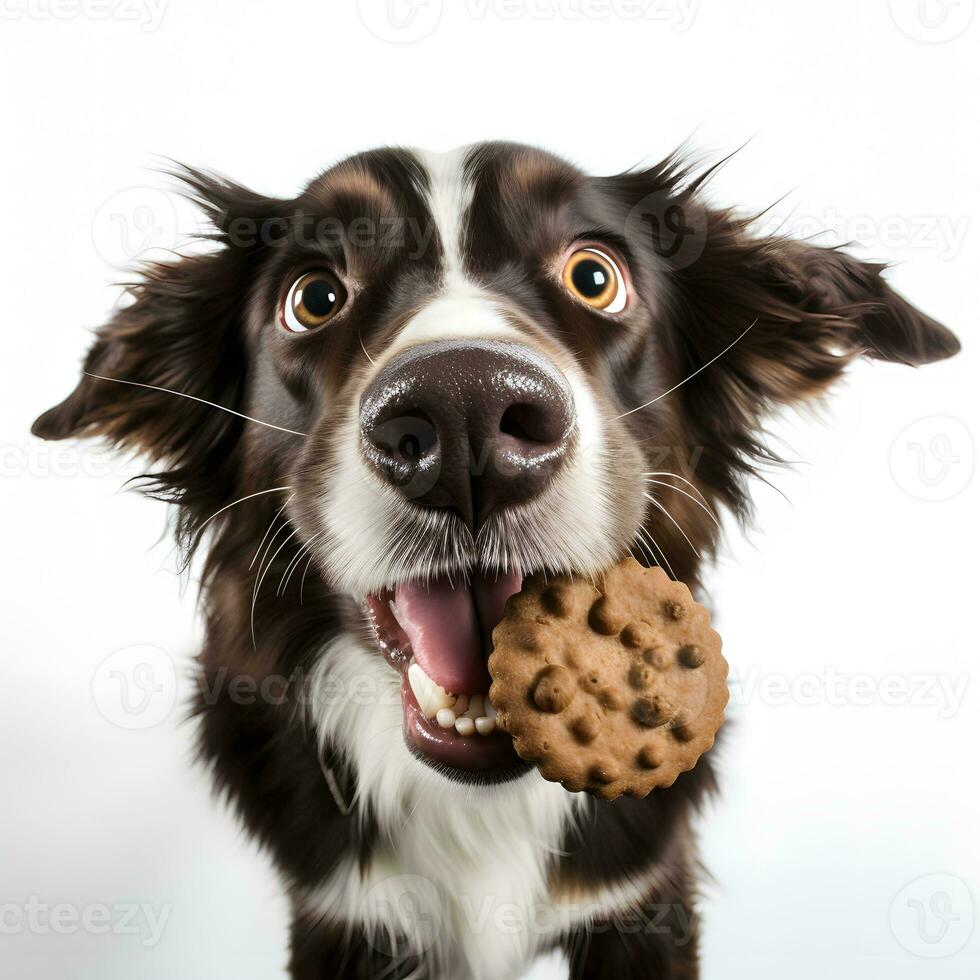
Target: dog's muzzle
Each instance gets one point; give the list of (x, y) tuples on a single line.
[(470, 426)]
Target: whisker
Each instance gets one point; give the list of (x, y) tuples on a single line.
[(302, 581), (670, 486), (663, 555), (688, 378), (363, 348), (656, 503), (644, 548), (194, 398), (240, 500), (280, 589), (677, 476), (294, 564), (267, 530), (261, 579)]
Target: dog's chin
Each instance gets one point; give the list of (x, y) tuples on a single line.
[(437, 636)]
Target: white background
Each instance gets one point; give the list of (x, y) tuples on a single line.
[(840, 796)]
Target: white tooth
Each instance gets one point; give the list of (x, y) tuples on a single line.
[(465, 726), (475, 709), (430, 696), (420, 685), (485, 725), (462, 703), (446, 718)]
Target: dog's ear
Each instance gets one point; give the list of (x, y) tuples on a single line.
[(754, 321), (182, 330), (806, 312)]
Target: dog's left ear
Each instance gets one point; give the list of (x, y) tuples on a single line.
[(182, 330)]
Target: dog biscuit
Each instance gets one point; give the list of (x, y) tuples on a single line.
[(611, 688)]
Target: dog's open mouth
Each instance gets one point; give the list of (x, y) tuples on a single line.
[(438, 637)]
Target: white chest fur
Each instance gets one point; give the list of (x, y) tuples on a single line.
[(460, 872)]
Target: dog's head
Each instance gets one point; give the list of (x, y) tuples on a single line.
[(447, 372)]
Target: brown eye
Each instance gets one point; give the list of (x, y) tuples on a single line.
[(312, 300), (593, 277)]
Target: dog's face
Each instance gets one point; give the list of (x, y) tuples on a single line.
[(467, 368)]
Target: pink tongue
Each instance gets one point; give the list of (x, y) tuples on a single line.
[(449, 628)]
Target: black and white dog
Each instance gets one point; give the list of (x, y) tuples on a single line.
[(383, 402)]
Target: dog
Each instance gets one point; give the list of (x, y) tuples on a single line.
[(378, 406)]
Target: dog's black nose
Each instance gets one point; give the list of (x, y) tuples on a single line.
[(468, 425)]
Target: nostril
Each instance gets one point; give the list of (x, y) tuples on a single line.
[(531, 423), (405, 438)]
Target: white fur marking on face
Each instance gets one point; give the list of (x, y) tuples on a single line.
[(462, 312), (449, 196)]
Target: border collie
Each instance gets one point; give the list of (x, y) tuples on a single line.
[(381, 403)]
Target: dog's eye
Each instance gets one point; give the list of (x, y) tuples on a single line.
[(594, 278), (312, 300)]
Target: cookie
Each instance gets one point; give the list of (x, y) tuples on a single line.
[(614, 687)]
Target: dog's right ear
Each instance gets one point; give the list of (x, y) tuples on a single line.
[(183, 331)]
